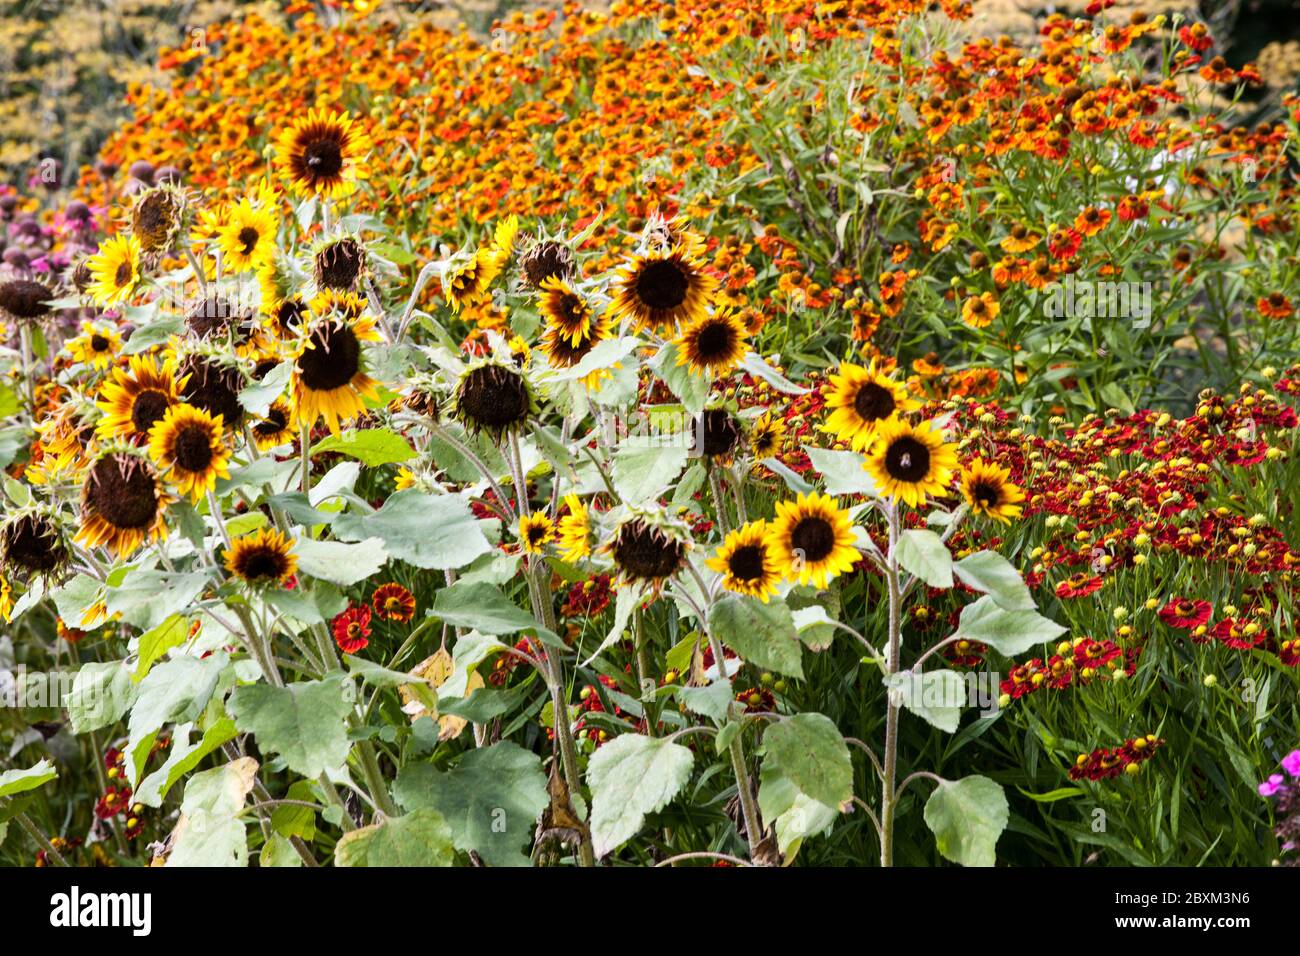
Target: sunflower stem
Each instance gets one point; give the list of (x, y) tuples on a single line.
[(477, 462), (888, 793), (719, 501), (25, 340), (304, 441), (214, 509), (199, 277)]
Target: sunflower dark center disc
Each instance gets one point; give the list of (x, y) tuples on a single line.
[(714, 342), (642, 552), (874, 402), (148, 408), (338, 265), (333, 359), (261, 564), (493, 397), (719, 433), (24, 298), (98, 343), (662, 285), (31, 543), (746, 562), (322, 158), (248, 237), (273, 424), (907, 460), (123, 495), (212, 389), (193, 448), (546, 260), (986, 495), (814, 538)]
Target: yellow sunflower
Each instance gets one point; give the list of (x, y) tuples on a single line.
[(988, 489), (713, 344), (263, 557), (860, 400), (663, 289), (136, 397), (910, 461), (467, 284), (96, 346), (573, 531), (767, 436), (746, 562), (247, 240), (189, 448), (275, 428), (329, 379), (535, 532), (567, 314), (122, 504), (115, 270), (322, 154), (811, 539)]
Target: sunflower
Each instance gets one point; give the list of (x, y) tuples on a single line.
[(860, 400), (23, 300), (535, 532), (910, 461), (247, 240), (263, 557), (561, 352), (122, 504), (275, 428), (467, 284), (136, 397), (573, 531), (95, 346), (212, 386), (329, 379), (746, 562), (767, 436), (646, 551), (189, 447), (339, 264), (811, 539), (494, 398), (663, 289), (546, 259), (713, 344), (115, 270), (566, 313), (716, 434), (988, 490), (157, 218), (392, 602), (32, 544), (321, 154)]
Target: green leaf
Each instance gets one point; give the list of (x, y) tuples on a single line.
[(376, 675), (690, 389), (305, 723), (470, 651), (491, 799), (20, 781), (631, 776), (421, 838), (257, 398), (482, 607), (292, 820), (934, 696), (754, 364), (763, 634), (426, 531), (966, 817), (1008, 632), (146, 598), (924, 554), (176, 690), (813, 754), (156, 643), (842, 471), (339, 563), (182, 758), (992, 574), (155, 333), (101, 694), (643, 471), (370, 446), (278, 852), (712, 701), (795, 815), (74, 598), (210, 831)]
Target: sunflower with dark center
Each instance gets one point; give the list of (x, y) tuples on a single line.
[(566, 313), (561, 352), (115, 270), (275, 428), (264, 557), (339, 264), (189, 448), (909, 462), (989, 491), (122, 504), (31, 544), (322, 154), (767, 436), (329, 379), (545, 260), (811, 539), (662, 290), (716, 433), (646, 553), (137, 397), (214, 316), (95, 346), (493, 398), (156, 218), (536, 531), (213, 387), (713, 344), (247, 240), (746, 562), (860, 400), (23, 300)]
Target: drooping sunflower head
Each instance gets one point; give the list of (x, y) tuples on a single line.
[(122, 503), (573, 530), (323, 153), (32, 544), (275, 428), (747, 563), (547, 259), (989, 491), (767, 436), (536, 531), (24, 300), (466, 279), (423, 396), (339, 264), (661, 290), (566, 312), (860, 400), (96, 346), (247, 239), (909, 462), (713, 344), (647, 550), (264, 557), (215, 316), (115, 270), (717, 433), (136, 397), (212, 385), (493, 397), (812, 539), (329, 378), (158, 217), (190, 449)]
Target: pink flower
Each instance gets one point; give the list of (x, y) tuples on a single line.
[(1271, 786), (1291, 763)]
